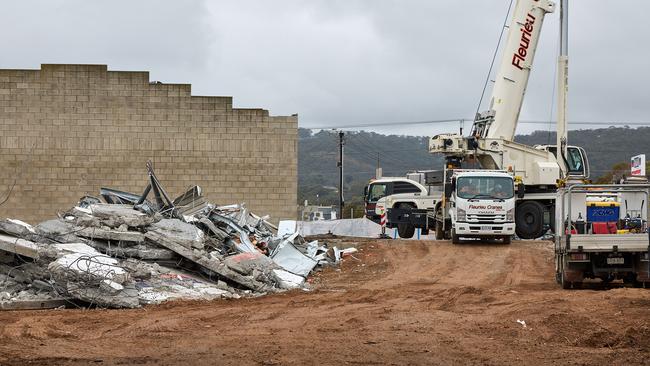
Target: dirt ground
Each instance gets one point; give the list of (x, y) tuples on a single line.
[(395, 302)]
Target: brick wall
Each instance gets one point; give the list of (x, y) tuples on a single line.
[(67, 130)]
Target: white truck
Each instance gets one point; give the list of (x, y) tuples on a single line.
[(491, 142), (461, 203), (609, 243), (418, 190), (479, 204)]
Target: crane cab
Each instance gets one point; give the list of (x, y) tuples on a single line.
[(576, 160)]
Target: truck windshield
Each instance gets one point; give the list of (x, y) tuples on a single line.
[(376, 192), (485, 187)]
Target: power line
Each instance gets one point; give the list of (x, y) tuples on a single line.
[(494, 57), (456, 120), (357, 125)]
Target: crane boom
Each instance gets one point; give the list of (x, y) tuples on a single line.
[(516, 63)]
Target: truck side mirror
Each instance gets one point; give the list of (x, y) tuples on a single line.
[(521, 190), (365, 192)]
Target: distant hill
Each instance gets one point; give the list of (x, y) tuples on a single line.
[(318, 154)]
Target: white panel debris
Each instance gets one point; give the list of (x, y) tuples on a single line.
[(288, 280), (291, 259), (286, 227)]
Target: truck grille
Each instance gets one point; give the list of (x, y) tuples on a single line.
[(480, 218)]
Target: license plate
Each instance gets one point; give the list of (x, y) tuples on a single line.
[(616, 260), (486, 227)]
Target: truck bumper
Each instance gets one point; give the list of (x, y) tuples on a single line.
[(483, 229), (416, 217)]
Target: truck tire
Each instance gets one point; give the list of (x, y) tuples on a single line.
[(454, 238), (529, 220), (440, 235), (564, 280), (551, 214), (506, 239), (405, 231)]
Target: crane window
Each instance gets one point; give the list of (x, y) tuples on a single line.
[(574, 160)]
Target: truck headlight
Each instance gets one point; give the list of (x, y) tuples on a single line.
[(461, 215), (510, 215)]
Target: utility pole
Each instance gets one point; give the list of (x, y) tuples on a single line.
[(378, 172), (340, 165)]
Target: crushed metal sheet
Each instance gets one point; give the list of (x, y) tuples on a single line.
[(291, 259)]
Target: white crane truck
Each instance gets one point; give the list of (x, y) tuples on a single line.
[(472, 204), (539, 168)]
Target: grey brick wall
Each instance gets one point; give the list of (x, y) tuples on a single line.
[(67, 130)]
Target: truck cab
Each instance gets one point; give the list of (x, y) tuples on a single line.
[(481, 204), (378, 189)]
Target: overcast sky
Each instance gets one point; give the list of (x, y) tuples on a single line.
[(342, 62)]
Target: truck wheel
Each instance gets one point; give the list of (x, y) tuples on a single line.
[(551, 223), (405, 231), (506, 239), (565, 283), (440, 235), (454, 238), (529, 220)]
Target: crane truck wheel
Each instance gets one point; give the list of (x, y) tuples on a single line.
[(405, 231), (455, 239), (529, 220), (440, 235), (551, 222)]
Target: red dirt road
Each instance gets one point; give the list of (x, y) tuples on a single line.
[(401, 302)]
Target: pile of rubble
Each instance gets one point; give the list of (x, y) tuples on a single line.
[(129, 251)]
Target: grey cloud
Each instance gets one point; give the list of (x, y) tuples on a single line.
[(340, 62)]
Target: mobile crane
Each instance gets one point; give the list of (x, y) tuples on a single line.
[(539, 168)]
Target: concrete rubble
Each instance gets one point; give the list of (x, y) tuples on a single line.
[(129, 250)]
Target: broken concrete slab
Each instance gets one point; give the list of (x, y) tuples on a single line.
[(93, 277), (37, 304), (89, 263), (20, 246), (121, 214), (178, 285), (209, 262), (143, 251), (57, 230), (179, 232), (247, 263), (17, 228), (125, 298), (107, 234)]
